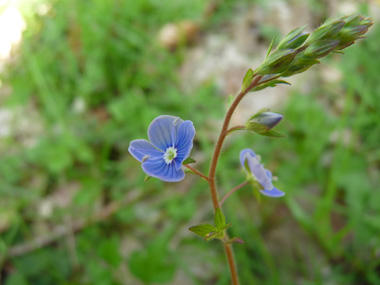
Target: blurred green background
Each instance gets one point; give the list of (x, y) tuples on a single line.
[(89, 76)]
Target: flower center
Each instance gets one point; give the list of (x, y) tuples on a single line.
[(170, 154)]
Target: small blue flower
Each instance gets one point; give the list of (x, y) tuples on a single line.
[(171, 141), (256, 169)]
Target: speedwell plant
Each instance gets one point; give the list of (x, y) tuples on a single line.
[(167, 153)]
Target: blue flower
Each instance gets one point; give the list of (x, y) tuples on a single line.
[(253, 167), (171, 140)]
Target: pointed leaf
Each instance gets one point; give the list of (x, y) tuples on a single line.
[(273, 134), (188, 160), (219, 219), (203, 230), (226, 226), (247, 79), (147, 177)]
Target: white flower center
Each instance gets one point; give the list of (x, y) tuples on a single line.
[(170, 154)]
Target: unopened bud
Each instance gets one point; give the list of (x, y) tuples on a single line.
[(299, 65), (320, 49), (352, 31), (277, 62), (294, 39), (328, 30), (263, 121)]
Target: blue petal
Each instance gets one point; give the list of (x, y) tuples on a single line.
[(272, 193), (141, 148), (269, 174), (158, 168), (160, 131), (258, 171), (184, 142), (244, 154)]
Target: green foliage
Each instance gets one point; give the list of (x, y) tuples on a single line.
[(208, 231), (219, 219), (96, 77), (155, 263)]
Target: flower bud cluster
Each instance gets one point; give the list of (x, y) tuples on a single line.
[(299, 50)]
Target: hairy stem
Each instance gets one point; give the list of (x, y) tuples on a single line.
[(222, 136), (197, 172), (231, 263), (232, 191), (212, 171)]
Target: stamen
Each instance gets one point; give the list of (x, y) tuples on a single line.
[(170, 154), (145, 158)]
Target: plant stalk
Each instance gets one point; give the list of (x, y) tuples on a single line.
[(212, 171)]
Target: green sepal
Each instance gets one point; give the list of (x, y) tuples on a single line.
[(256, 191), (147, 177), (188, 160), (270, 46), (327, 30), (272, 83), (299, 65), (256, 128), (320, 49), (259, 112), (247, 80), (203, 230), (219, 219), (277, 62), (294, 39), (273, 134), (235, 240), (187, 170)]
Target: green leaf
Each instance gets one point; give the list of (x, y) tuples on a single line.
[(203, 230), (219, 219), (109, 251), (247, 79), (188, 160), (225, 226), (235, 240), (273, 134)]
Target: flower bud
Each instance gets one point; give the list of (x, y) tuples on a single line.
[(294, 39), (327, 31), (353, 30), (264, 121), (277, 62), (299, 65), (320, 49)]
